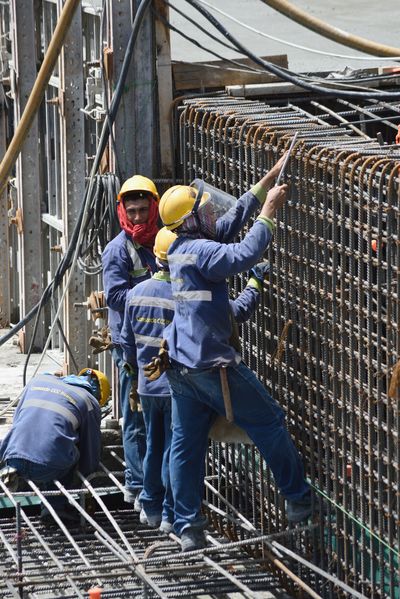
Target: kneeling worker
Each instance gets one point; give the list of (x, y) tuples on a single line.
[(56, 429)]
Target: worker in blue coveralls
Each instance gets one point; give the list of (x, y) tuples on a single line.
[(149, 309), (56, 430), (200, 260), (127, 260)]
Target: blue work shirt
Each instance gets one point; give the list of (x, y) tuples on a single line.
[(125, 264), (55, 424), (199, 334), (149, 309)]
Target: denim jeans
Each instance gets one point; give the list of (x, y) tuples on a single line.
[(133, 430), (156, 496), (196, 394), (44, 476)]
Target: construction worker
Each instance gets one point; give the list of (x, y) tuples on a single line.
[(56, 429), (127, 260), (149, 309), (201, 356)]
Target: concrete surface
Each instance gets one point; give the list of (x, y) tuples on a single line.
[(364, 18)]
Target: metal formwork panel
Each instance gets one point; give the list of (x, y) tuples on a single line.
[(29, 190), (73, 178), (325, 340)]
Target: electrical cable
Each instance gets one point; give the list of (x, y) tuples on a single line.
[(214, 37), (334, 83), (199, 45), (144, 5), (69, 259), (286, 75), (292, 44), (101, 224)]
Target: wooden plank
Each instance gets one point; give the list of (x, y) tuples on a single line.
[(219, 73)]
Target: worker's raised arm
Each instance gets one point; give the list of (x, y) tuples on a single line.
[(230, 224)]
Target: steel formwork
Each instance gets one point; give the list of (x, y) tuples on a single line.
[(325, 340)]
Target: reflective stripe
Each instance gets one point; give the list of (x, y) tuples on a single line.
[(83, 394), (182, 258), (152, 302), (146, 340), (58, 387), (193, 296), (134, 256), (53, 407)]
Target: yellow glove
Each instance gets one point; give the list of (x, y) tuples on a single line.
[(159, 364)]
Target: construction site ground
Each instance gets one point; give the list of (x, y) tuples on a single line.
[(109, 547)]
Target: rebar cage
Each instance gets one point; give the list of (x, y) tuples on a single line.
[(325, 340)]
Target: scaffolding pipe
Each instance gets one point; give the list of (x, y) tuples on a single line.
[(36, 95)]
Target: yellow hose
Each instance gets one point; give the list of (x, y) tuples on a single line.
[(333, 33), (36, 95)]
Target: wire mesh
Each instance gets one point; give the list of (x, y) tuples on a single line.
[(109, 548), (325, 340)]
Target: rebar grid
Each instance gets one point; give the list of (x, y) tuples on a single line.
[(112, 549), (325, 340)]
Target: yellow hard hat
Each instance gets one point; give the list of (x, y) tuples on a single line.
[(163, 240), (177, 203), (138, 183), (105, 388)]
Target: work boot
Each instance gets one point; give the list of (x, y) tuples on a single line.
[(301, 509), (192, 539), (153, 520), (133, 498), (9, 476), (166, 527)]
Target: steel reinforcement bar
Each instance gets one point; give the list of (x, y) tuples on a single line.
[(325, 340)]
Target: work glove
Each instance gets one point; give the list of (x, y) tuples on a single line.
[(132, 372), (101, 341), (260, 271), (134, 399), (159, 364)]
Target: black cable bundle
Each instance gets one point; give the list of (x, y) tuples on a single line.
[(101, 223)]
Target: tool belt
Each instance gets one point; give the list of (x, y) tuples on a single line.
[(228, 432)]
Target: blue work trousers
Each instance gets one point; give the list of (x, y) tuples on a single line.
[(43, 476), (133, 430), (196, 396), (156, 496)]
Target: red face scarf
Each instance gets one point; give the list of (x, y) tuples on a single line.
[(145, 233)]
